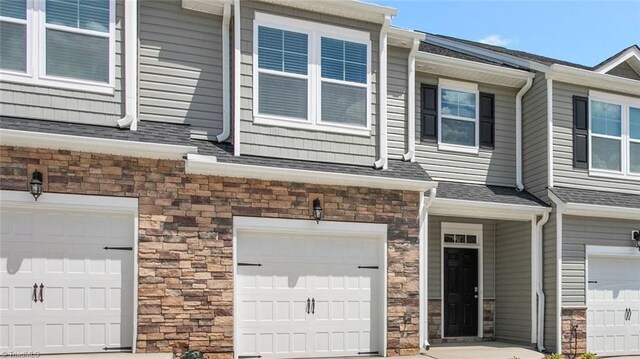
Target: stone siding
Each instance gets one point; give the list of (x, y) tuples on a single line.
[(185, 234), (574, 331), (435, 323)]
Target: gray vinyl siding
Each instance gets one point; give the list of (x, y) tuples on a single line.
[(276, 141), (50, 103), (488, 248), (564, 174), (534, 137), (180, 66), (491, 166), (578, 232), (549, 283), (397, 101), (513, 281), (624, 70)]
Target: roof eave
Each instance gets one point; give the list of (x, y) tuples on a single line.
[(592, 79)]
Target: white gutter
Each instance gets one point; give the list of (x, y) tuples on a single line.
[(226, 88), (209, 165), (411, 102), (523, 90), (537, 282), (383, 161), (130, 118), (93, 144), (488, 210), (424, 265), (550, 132), (236, 77)]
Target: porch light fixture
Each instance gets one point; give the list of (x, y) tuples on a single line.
[(35, 185), (317, 210), (635, 236)]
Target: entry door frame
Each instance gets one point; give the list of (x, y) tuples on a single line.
[(468, 229), (304, 227), (60, 201)]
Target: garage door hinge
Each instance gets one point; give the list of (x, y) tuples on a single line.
[(118, 248), (249, 356), (116, 348), (250, 265), (368, 267), (367, 353)]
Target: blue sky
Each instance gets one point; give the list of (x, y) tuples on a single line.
[(584, 32)]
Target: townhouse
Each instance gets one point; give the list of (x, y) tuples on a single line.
[(279, 179)]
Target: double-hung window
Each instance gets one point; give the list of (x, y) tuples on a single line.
[(309, 75), (614, 135), (458, 116), (59, 43)]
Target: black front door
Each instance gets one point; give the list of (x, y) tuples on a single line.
[(460, 292)]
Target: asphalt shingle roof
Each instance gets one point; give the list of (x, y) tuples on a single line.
[(601, 198), (440, 50), (487, 193), (178, 134)]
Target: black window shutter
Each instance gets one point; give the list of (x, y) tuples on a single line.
[(429, 112), (580, 132), (487, 120)]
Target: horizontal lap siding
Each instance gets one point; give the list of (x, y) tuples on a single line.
[(534, 134), (397, 101), (549, 283), (180, 66), (275, 141), (492, 166), (435, 241), (48, 103), (564, 173), (579, 232), (513, 281)]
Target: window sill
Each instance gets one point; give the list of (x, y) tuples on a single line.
[(613, 175), (299, 124), (66, 84), (461, 149)]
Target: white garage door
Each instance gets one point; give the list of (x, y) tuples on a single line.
[(60, 290), (304, 296), (613, 300)]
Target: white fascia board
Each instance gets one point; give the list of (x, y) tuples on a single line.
[(208, 165), (594, 210), (488, 210), (24, 199), (592, 79), (93, 144), (615, 62), (428, 58), (352, 9)]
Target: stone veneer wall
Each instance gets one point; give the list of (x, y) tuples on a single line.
[(574, 331), (435, 321), (185, 239)]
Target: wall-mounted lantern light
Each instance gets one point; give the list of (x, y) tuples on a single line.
[(35, 185), (635, 236), (317, 210)]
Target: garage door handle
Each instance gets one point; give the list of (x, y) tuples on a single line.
[(35, 294), (308, 305), (313, 306), (41, 292)]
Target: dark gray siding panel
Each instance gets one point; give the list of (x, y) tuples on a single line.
[(397, 101), (180, 66), (513, 281), (534, 137), (55, 104), (491, 166), (276, 141)]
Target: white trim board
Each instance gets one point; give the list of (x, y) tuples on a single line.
[(594, 210), (93, 144), (208, 165), (485, 210)]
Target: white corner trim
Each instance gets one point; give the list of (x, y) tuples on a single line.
[(550, 132), (559, 295), (67, 201), (131, 66), (611, 251), (237, 75), (488, 210), (208, 165), (93, 144)]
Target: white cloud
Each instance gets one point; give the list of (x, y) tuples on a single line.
[(496, 40)]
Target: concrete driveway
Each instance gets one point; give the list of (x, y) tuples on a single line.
[(485, 350)]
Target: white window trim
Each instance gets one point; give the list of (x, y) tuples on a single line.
[(468, 229), (625, 103), (36, 54), (314, 31), (444, 84)]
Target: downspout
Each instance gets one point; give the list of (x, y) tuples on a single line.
[(236, 77), (130, 118), (550, 132), (539, 280), (411, 102), (424, 264), (383, 161), (523, 90), (560, 209), (226, 88)]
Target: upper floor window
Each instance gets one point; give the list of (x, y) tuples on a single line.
[(614, 134), (311, 75), (59, 43)]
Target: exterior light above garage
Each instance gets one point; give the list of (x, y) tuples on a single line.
[(35, 185), (317, 210), (635, 236)]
